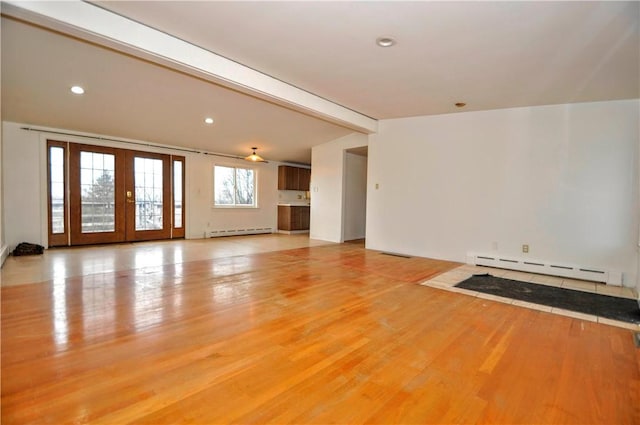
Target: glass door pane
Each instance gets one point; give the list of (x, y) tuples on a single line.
[(148, 196), (97, 186), (57, 189), (148, 182), (96, 194), (57, 193), (177, 194)]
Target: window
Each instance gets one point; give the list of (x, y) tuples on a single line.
[(56, 189), (234, 187), (178, 200), (57, 194)]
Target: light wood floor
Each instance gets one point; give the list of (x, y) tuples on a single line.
[(67, 262), (320, 334)]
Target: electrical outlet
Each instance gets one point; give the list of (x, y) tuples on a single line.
[(525, 249), (377, 186)]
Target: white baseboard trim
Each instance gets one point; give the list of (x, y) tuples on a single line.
[(4, 253), (552, 268)]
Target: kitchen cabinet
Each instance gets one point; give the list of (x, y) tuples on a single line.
[(304, 179), (293, 178), (287, 178), (293, 217)]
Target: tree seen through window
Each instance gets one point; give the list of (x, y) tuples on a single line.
[(234, 186)]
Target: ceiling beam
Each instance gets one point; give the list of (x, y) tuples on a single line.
[(105, 28)]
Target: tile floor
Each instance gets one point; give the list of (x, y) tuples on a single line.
[(448, 280)]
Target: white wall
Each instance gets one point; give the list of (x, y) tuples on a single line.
[(355, 196), (25, 202), (21, 176), (201, 214), (292, 196), (563, 179), (327, 185)]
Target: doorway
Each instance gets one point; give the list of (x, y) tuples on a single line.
[(355, 194), (100, 194)]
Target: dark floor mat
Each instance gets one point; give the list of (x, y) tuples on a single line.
[(622, 309)]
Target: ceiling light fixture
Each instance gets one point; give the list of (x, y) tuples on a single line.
[(208, 120), (77, 90), (254, 157), (385, 41), (461, 104)]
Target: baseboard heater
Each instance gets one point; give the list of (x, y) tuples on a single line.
[(238, 232), (546, 267)]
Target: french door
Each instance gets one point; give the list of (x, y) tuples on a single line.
[(102, 195)]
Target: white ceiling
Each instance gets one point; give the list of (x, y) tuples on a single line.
[(487, 54), (129, 98)]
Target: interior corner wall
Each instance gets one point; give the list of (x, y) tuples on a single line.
[(24, 195), (562, 179), (327, 186)]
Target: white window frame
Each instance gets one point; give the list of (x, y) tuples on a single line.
[(255, 187)]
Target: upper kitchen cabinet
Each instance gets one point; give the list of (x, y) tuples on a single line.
[(304, 178), (293, 178)]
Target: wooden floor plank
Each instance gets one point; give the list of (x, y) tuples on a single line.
[(324, 334)]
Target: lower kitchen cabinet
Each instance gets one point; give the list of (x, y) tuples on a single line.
[(294, 217)]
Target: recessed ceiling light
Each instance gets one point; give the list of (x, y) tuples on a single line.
[(77, 90), (385, 41), (208, 120), (461, 104)]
